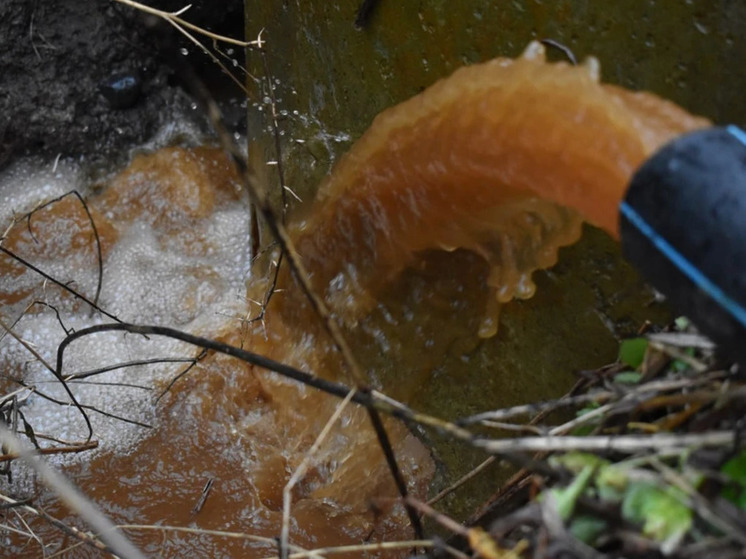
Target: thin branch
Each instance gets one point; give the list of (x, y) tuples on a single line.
[(71, 497), (300, 472), (208, 52), (54, 309), (365, 548), (48, 366), (97, 239), (86, 374), (369, 399), (261, 202), (57, 282), (474, 472), (54, 450), (564, 48), (174, 16), (200, 531), (30, 348), (594, 397), (193, 364), (613, 443)]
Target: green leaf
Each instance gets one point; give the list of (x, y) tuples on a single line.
[(679, 366), (587, 409), (682, 323), (585, 428), (632, 351), (587, 528), (735, 469), (612, 482), (662, 511), (584, 465), (628, 377), (576, 462), (567, 497)]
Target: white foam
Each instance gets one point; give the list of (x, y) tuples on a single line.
[(32, 181), (147, 281)]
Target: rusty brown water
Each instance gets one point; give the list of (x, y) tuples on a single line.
[(246, 430)]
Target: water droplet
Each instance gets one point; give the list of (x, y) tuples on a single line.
[(184, 51), (702, 28)]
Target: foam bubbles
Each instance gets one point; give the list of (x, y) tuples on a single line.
[(31, 181), (151, 276)]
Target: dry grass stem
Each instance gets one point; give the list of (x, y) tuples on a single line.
[(71, 497), (300, 472)]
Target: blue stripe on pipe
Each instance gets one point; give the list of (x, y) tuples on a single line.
[(737, 133), (686, 267)]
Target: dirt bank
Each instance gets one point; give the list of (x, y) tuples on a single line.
[(86, 78)]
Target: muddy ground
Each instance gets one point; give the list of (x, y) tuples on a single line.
[(91, 78)]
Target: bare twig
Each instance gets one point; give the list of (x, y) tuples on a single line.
[(27, 346), (96, 238), (300, 472), (474, 472), (203, 496), (57, 282), (192, 364), (174, 16), (72, 498), (617, 443), (142, 362), (181, 25), (369, 399), (262, 203), (54, 450), (62, 380), (200, 531), (362, 549)]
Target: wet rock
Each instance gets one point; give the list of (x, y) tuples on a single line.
[(121, 90)]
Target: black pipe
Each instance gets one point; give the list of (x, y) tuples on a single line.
[(683, 225)]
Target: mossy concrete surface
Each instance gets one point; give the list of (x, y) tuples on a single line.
[(339, 77), (330, 79)]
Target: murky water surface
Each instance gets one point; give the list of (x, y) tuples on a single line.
[(173, 230)]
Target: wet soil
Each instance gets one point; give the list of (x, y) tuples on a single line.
[(88, 78)]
